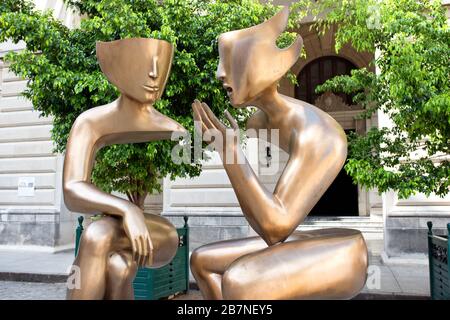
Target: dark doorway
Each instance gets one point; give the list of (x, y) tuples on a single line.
[(341, 198), (317, 72)]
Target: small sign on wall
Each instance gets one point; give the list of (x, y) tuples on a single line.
[(25, 187)]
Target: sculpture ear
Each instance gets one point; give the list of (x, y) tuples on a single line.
[(273, 28), (105, 58), (291, 54), (275, 25)]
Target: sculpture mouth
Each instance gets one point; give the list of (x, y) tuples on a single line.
[(228, 88), (150, 88)]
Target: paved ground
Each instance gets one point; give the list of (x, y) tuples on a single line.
[(36, 262), (398, 279), (16, 290), (387, 280)]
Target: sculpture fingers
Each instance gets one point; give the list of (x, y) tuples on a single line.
[(150, 252), (135, 251), (198, 120), (139, 246), (144, 244), (212, 117), (206, 119), (200, 126), (197, 105), (232, 121)]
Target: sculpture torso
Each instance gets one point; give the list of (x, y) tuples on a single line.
[(301, 119), (311, 137), (114, 123)]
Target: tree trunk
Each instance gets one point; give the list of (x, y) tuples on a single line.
[(139, 198)]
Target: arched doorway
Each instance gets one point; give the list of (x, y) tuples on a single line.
[(341, 198), (317, 72)]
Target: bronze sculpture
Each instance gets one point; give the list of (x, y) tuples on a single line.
[(281, 263), (113, 247)]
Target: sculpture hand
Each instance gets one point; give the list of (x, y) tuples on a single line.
[(209, 122), (137, 232)]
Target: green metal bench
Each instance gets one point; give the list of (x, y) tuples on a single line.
[(159, 283), (438, 249)]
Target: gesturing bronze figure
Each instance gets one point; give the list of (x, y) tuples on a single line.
[(282, 263), (124, 238)]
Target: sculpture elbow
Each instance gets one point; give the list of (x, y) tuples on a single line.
[(276, 232), (70, 196)]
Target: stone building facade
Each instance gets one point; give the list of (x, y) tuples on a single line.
[(39, 220)]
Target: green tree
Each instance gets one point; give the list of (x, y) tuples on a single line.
[(65, 78), (411, 39)]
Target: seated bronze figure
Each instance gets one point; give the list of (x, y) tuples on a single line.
[(280, 263), (113, 247)]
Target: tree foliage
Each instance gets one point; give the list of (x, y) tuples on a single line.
[(65, 78), (411, 39)]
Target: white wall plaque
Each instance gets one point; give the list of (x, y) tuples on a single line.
[(25, 187)]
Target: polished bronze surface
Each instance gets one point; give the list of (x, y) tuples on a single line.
[(113, 247), (281, 263)]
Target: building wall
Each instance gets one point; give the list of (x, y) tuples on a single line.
[(405, 220), (39, 221), (26, 151)]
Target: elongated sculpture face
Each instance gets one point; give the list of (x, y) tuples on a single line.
[(138, 67), (250, 61)]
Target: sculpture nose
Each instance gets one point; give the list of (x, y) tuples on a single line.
[(220, 74), (154, 68)]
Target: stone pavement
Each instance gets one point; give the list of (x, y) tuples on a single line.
[(18, 290), (35, 266), (32, 269), (397, 279)]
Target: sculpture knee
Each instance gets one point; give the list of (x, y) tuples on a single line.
[(99, 236), (199, 262), (234, 286), (196, 262), (121, 268)]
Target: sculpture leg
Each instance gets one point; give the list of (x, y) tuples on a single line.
[(105, 260), (121, 270), (323, 264), (209, 262), (96, 245)]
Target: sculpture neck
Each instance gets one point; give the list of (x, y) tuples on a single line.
[(272, 104), (128, 104)]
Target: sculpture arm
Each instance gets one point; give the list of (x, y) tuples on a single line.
[(80, 194), (272, 216), (264, 211), (84, 197)]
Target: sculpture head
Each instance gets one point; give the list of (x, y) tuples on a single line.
[(250, 60), (138, 67)]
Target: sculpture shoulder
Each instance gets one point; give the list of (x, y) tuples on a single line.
[(257, 121), (310, 115), (90, 119), (314, 124)]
